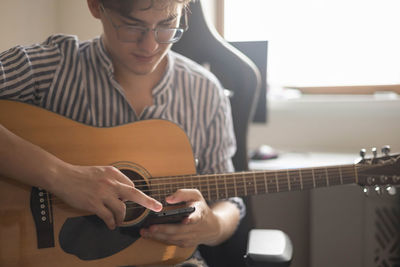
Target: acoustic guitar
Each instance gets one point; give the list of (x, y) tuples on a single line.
[(37, 229)]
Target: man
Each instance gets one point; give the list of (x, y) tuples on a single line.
[(127, 74)]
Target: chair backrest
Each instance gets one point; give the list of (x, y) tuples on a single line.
[(240, 75), (235, 71)]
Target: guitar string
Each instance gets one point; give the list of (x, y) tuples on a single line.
[(246, 175), (229, 179), (207, 195), (242, 188), (196, 180)]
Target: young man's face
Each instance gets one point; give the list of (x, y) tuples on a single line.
[(146, 55)]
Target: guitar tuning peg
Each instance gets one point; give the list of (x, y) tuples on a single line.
[(374, 152), (386, 150), (391, 190), (366, 191), (363, 152), (378, 190)]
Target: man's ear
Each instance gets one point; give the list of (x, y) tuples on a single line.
[(94, 7)]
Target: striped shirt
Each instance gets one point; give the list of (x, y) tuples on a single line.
[(76, 79)]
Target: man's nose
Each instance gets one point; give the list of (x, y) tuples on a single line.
[(148, 41)]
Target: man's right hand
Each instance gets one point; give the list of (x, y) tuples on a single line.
[(101, 190)]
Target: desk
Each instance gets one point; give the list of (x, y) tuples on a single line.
[(303, 160)]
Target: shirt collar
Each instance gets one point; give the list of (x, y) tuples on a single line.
[(166, 80), (103, 55)]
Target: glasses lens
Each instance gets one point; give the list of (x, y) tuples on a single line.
[(162, 35), (168, 35), (130, 34)]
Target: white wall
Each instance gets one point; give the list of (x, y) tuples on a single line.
[(330, 124), (82, 24), (26, 21)]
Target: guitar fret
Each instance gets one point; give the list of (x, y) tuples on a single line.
[(255, 183), (276, 181), (271, 182), (208, 189), (288, 179), (334, 176), (320, 177), (259, 184), (265, 183), (234, 186), (356, 174), (240, 185), (341, 176), (216, 186), (326, 176), (183, 183), (177, 183), (226, 187), (301, 180), (195, 184), (313, 177), (294, 179), (167, 188), (282, 179), (307, 179), (251, 190), (244, 184)]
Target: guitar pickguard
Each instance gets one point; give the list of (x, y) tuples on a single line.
[(88, 238)]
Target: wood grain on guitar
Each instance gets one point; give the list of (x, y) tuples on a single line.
[(36, 228)]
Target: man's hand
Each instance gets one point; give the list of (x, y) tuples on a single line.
[(204, 226), (101, 190)]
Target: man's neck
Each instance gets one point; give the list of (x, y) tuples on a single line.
[(138, 88), (132, 81)]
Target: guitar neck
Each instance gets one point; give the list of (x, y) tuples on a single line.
[(220, 186)]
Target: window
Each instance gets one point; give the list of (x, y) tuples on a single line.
[(322, 42)]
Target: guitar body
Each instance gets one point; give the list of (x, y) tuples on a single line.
[(154, 148), (37, 230)]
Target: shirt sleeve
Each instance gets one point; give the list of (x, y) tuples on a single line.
[(26, 72)]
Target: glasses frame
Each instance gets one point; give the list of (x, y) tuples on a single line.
[(144, 30)]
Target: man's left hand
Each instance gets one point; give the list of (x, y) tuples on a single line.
[(200, 227)]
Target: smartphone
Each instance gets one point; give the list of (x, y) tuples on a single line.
[(168, 216)]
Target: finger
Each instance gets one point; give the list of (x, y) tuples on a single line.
[(184, 195), (122, 178), (118, 209), (135, 195), (107, 216), (176, 238)]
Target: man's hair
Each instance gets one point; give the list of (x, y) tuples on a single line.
[(124, 7)]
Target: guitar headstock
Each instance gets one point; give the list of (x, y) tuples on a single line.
[(379, 171)]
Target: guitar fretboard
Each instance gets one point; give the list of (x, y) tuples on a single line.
[(220, 186)]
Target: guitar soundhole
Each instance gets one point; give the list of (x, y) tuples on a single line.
[(134, 210)]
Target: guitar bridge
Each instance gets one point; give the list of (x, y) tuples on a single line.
[(41, 209)]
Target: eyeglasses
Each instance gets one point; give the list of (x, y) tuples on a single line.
[(134, 34)]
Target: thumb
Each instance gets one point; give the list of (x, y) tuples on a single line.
[(184, 195)]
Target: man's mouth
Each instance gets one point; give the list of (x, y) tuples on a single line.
[(143, 58)]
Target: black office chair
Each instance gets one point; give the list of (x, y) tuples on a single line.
[(239, 75)]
